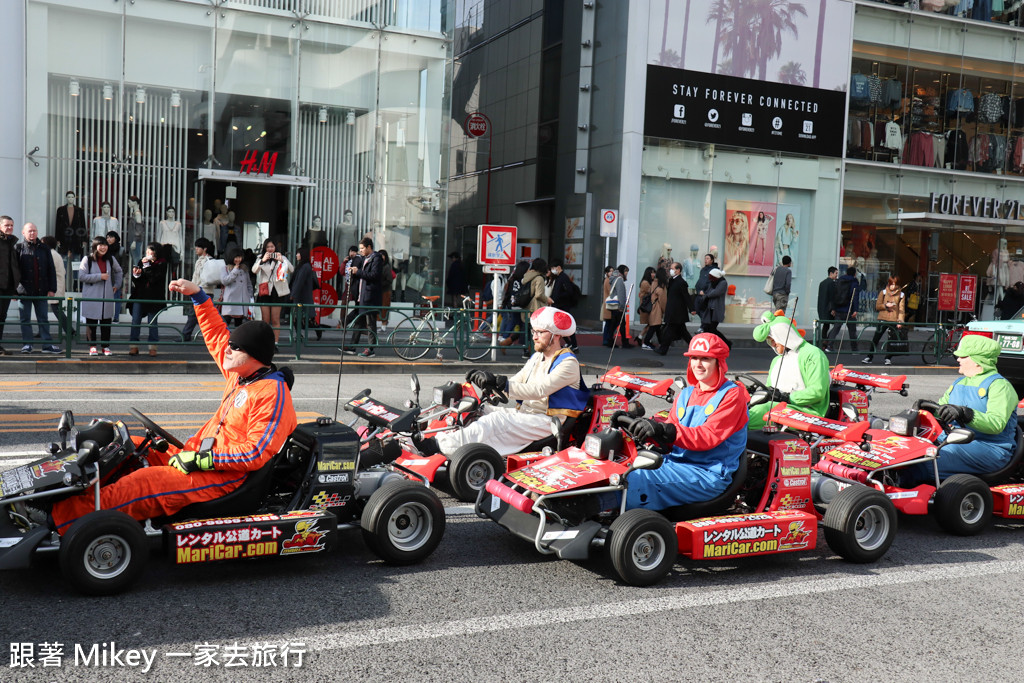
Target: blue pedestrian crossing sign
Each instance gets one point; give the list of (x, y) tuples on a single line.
[(496, 245)]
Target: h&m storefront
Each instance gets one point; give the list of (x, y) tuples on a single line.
[(313, 122)]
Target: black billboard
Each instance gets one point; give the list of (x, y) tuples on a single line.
[(741, 112)]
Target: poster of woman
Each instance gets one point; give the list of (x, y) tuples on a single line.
[(737, 238), (749, 237), (788, 232)]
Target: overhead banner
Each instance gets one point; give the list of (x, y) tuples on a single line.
[(742, 112)]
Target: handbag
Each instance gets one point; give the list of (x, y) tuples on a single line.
[(913, 301), (896, 342), (264, 289), (769, 284), (646, 304), (612, 303)]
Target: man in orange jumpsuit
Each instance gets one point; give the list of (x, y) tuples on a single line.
[(253, 421)]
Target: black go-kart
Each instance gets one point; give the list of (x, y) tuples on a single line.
[(318, 484)]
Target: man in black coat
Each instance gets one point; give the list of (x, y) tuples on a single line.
[(369, 274), (562, 296), (677, 309), (38, 278), (10, 273), (827, 293)]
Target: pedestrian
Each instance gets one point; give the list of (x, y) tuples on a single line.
[(120, 254), (237, 296), (370, 276), (1013, 300), (455, 284), (563, 296), (782, 283), (387, 282), (10, 273), (845, 306), (101, 277), (915, 297), (271, 269), (643, 309), (304, 283), (147, 297), (616, 303), (605, 290), (38, 279), (891, 307), (710, 263), (713, 304), (826, 295), (57, 307), (204, 252), (511, 317), (657, 314), (678, 307)]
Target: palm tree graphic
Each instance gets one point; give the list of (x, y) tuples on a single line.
[(749, 33)]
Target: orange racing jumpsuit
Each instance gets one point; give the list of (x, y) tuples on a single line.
[(253, 421)]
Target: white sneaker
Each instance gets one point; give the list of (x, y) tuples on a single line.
[(93, 351), (865, 360), (888, 362), (108, 352), (646, 347)]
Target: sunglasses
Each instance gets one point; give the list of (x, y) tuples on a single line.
[(235, 347)]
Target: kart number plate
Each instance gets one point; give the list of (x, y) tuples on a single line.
[(1010, 342)]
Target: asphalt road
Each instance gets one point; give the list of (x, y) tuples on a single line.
[(486, 607)]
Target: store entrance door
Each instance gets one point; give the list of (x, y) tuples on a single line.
[(260, 211)]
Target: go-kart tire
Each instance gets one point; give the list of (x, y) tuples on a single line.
[(103, 553), (403, 522), (470, 468), (642, 547), (860, 524), (963, 505)]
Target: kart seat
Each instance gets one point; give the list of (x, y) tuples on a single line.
[(242, 501), (1001, 475), (758, 440), (719, 503)]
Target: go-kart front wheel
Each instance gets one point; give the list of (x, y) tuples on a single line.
[(860, 524), (103, 553), (642, 547), (403, 522), (963, 504), (470, 468)]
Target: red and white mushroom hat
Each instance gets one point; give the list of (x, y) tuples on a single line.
[(553, 320)]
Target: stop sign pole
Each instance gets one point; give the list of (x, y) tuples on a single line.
[(477, 125)]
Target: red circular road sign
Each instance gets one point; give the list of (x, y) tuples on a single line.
[(476, 125)]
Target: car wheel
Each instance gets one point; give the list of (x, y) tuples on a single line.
[(103, 553), (470, 468), (860, 524), (403, 522), (642, 547), (963, 504)]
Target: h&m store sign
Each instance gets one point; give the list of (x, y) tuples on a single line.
[(976, 207)]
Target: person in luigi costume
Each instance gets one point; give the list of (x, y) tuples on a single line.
[(982, 401), (798, 374)]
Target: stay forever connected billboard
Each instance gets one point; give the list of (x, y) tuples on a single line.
[(750, 74), (702, 107)]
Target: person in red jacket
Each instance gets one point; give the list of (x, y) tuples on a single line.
[(251, 425)]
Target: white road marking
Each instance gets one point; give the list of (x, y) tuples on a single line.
[(345, 640)]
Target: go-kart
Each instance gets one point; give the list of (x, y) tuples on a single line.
[(319, 483), (869, 457), (558, 503), (457, 404)]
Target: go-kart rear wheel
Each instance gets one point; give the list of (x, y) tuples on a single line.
[(403, 522), (963, 504), (642, 547), (860, 524), (103, 553), (470, 468)]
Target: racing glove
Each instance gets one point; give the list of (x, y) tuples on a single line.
[(953, 413), (487, 380), (187, 462), (644, 430), (778, 396)]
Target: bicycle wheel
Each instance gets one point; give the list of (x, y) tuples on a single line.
[(477, 343), (412, 338), (932, 351)]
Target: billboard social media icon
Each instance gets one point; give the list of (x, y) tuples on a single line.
[(712, 115), (747, 119), (808, 127), (777, 123), (679, 111)]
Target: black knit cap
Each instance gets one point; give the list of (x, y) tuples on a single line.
[(256, 338)]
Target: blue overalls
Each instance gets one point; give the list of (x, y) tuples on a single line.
[(688, 476)]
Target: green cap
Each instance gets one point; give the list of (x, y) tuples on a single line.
[(982, 350)]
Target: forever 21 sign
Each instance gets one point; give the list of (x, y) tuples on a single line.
[(702, 107)]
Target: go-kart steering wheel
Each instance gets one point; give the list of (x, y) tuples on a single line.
[(156, 429), (932, 407), (493, 395), (753, 383)]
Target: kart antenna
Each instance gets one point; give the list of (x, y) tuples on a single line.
[(785, 343), (616, 335), (341, 357), (845, 328)]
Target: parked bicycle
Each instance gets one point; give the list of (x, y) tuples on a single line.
[(463, 329)]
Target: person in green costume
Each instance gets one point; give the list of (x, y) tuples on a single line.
[(798, 374)]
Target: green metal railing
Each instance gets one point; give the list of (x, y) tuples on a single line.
[(933, 342)]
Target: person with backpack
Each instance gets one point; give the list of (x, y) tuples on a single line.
[(512, 317), (563, 296), (534, 281), (645, 303), (846, 305), (615, 304)]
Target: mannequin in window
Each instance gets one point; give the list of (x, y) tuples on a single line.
[(136, 233), (315, 236), (105, 223), (871, 270), (170, 231), (71, 229), (233, 233), (220, 219), (209, 229), (999, 268)]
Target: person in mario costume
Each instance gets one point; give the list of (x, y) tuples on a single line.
[(798, 374), (707, 434), (549, 385)]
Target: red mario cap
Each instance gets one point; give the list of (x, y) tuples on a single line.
[(708, 346)]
